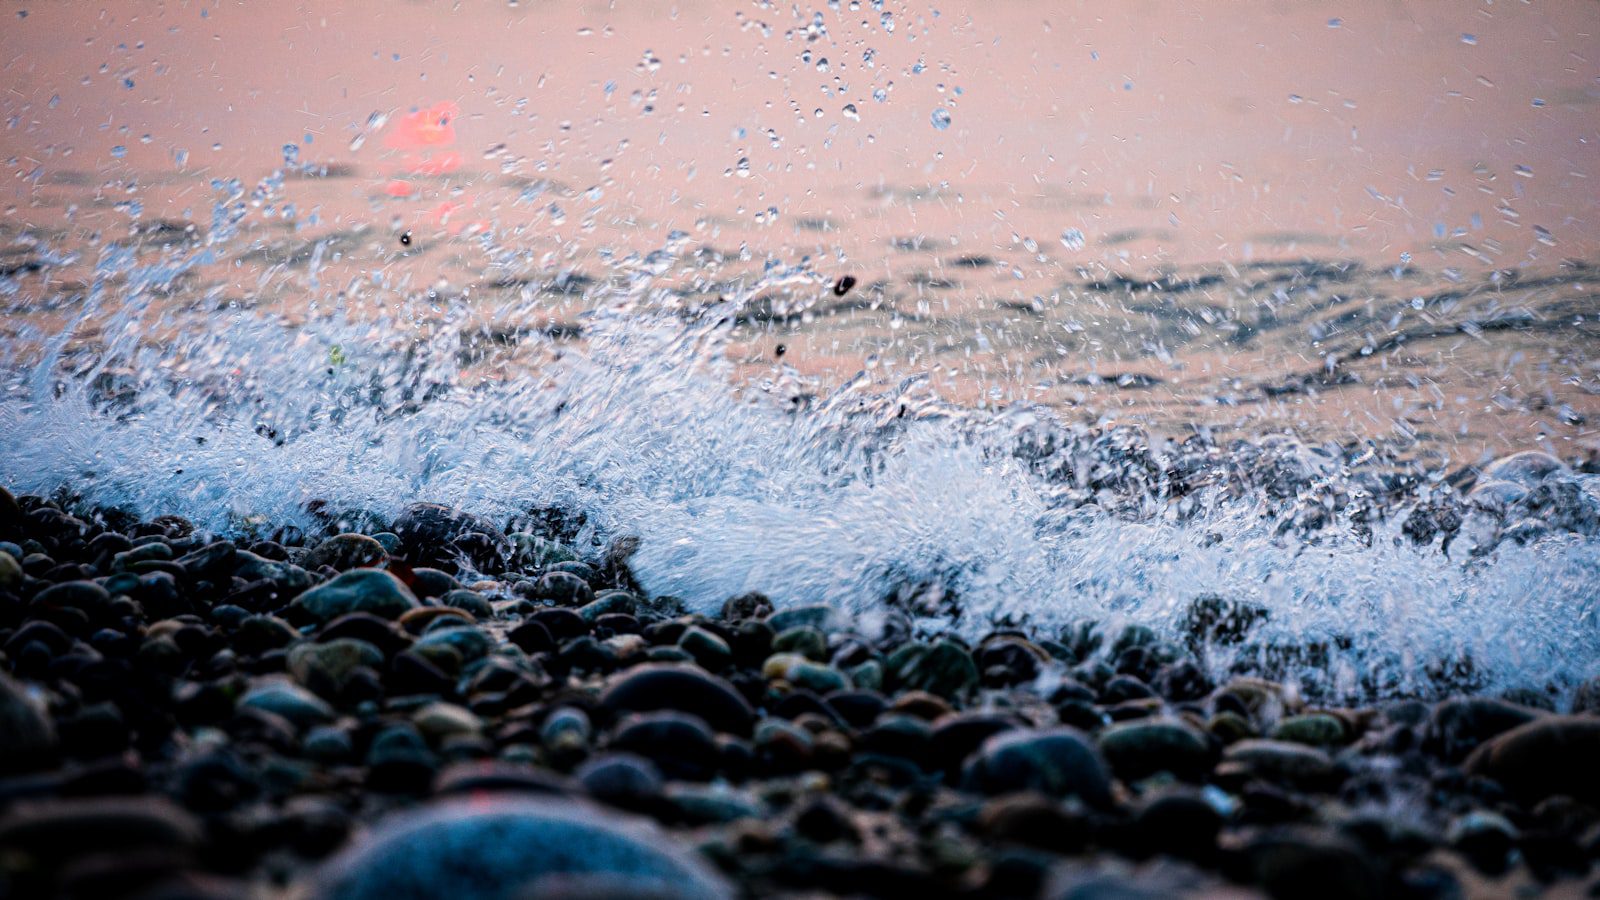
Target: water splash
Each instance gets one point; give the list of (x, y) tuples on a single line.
[(844, 498)]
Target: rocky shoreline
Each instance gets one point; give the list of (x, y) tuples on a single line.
[(441, 706)]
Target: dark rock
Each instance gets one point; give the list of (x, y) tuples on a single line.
[(532, 637), (27, 737), (213, 561), (1278, 761), (1218, 621), (411, 673), (817, 616), (511, 842), (1175, 824), (327, 666), (1005, 660), (709, 650), (360, 590), (346, 551), (562, 589), (957, 737), (898, 735), (859, 708), (1544, 757), (1034, 820), (803, 640), (563, 624), (12, 518), (295, 704), (946, 668), (429, 583), (1457, 726), (680, 745), (746, 606), (399, 760), (368, 629), (824, 820), (1140, 749), (1485, 839), (1312, 729), (659, 686), (1059, 762), (1123, 688), (428, 532), (90, 598), (1312, 866), (625, 780)]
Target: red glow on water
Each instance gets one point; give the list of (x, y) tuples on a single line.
[(432, 126)]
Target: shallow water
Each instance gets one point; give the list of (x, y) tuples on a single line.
[(1057, 389)]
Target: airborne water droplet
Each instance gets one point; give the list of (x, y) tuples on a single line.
[(1072, 239), (850, 112), (941, 118)]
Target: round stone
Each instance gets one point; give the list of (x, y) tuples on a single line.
[(359, 590), (294, 703), (1059, 761), (1527, 468), (346, 551), (29, 737), (658, 686), (1313, 729), (428, 532), (1142, 748), (489, 849), (1548, 756)]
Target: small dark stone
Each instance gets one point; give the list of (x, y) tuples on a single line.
[(681, 745), (29, 738), (346, 551), (427, 533), (1547, 756), (358, 590), (562, 589), (1485, 839), (660, 686), (1059, 762), (625, 780), (824, 820), (955, 738), (563, 624), (532, 637), (1312, 866), (511, 842), (1176, 824), (1220, 622), (898, 735), (11, 517), (429, 583), (857, 707), (1034, 820), (1142, 748), (1459, 725)]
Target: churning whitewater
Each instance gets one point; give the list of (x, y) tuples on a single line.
[(1376, 577)]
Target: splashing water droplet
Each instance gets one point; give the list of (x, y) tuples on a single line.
[(940, 118)]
